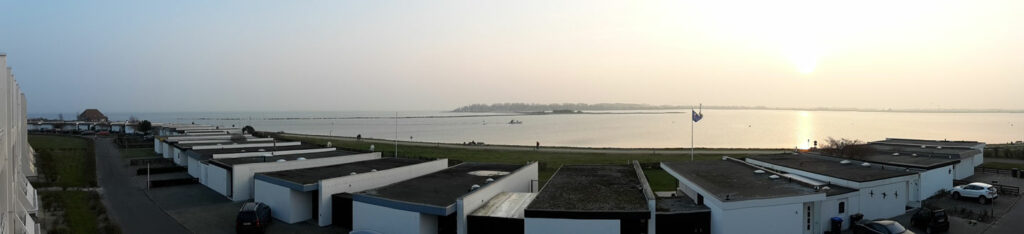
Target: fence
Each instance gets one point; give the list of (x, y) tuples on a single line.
[(993, 170)]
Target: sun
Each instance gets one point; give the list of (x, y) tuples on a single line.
[(803, 53)]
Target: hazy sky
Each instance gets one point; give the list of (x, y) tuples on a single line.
[(128, 56)]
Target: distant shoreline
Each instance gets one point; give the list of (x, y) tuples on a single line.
[(548, 108), (595, 112), (565, 149)]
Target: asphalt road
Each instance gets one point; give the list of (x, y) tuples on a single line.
[(126, 203)]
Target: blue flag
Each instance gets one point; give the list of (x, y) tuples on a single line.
[(697, 116)]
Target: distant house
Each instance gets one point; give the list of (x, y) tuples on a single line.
[(92, 115)]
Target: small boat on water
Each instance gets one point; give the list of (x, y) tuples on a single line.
[(515, 122)]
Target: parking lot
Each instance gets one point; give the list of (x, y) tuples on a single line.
[(194, 206), (1002, 215)]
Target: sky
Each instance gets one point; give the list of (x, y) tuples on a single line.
[(169, 56)]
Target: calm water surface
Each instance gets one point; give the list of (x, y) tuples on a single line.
[(719, 128)]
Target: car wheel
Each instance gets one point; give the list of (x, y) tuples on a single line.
[(956, 196), (982, 200)]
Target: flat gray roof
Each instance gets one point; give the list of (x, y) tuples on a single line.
[(228, 162), (898, 156), (946, 152), (207, 154), (591, 188), (729, 180), (437, 192), (829, 166), (312, 176), (943, 143)]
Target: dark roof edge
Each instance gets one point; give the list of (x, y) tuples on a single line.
[(404, 205), (287, 184)]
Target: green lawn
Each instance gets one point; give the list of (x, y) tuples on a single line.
[(661, 180), (82, 212), (134, 153), (65, 161), (549, 161), (1002, 165)]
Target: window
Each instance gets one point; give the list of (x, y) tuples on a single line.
[(842, 207), (700, 199)]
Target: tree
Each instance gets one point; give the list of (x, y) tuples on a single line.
[(145, 126), (248, 129), (848, 148)]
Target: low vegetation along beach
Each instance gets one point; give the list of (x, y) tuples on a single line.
[(550, 158)]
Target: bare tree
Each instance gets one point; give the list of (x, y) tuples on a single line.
[(847, 148)]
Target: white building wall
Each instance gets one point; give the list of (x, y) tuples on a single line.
[(217, 179), (194, 167), (884, 201), (830, 208), (964, 169), (935, 180), (559, 226), (786, 218), (286, 204), (242, 174), (519, 181), (379, 219), (366, 181)]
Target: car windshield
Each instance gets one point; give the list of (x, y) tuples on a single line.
[(895, 227)]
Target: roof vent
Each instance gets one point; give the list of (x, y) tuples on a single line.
[(915, 155), (301, 158), (373, 170), (844, 162), (924, 146), (865, 164), (261, 150), (773, 176), (938, 147), (826, 188), (758, 171), (489, 180), (353, 173), (474, 187), (281, 160), (895, 154)]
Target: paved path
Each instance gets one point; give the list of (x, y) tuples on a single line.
[(128, 205), (386, 144)]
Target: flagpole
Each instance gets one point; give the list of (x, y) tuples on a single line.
[(691, 135)]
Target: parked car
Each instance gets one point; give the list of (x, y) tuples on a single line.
[(86, 133), (985, 193), (103, 133), (253, 218), (932, 221), (880, 227)]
